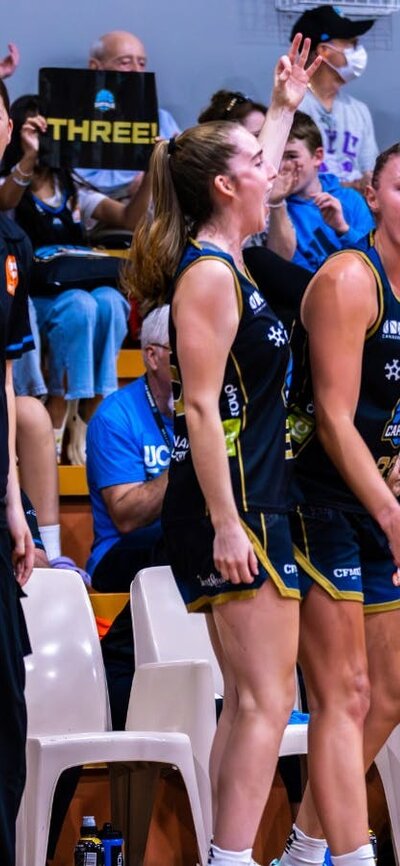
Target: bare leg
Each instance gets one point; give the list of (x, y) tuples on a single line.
[(88, 406), (259, 640), (57, 409), (333, 659), (226, 719), (37, 459), (383, 648)]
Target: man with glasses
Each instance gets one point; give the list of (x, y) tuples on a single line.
[(129, 441), (121, 51), (345, 123)]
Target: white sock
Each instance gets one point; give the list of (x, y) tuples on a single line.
[(363, 855), (51, 540), (229, 858), (302, 850)]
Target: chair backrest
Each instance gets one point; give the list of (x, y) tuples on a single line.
[(163, 629), (65, 683)]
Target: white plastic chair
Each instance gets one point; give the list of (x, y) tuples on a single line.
[(68, 714), (164, 632)]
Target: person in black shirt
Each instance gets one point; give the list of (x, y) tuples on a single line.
[(224, 514), (16, 545)]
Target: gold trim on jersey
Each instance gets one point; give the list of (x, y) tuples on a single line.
[(381, 606), (372, 244), (262, 555), (304, 533), (242, 474), (242, 388), (244, 422), (219, 258), (206, 600), (264, 530), (323, 581), (378, 279)]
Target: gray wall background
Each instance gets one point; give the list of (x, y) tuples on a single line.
[(194, 48)]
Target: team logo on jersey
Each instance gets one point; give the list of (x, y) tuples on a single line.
[(277, 335), (180, 449), (177, 391), (391, 432), (232, 428), (301, 425), (211, 581), (11, 269), (392, 370), (391, 330), (104, 100), (256, 301), (232, 394)]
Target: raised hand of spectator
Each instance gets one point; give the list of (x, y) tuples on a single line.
[(331, 211), (30, 135), (10, 62), (291, 77)]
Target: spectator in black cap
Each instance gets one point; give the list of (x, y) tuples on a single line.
[(345, 123)]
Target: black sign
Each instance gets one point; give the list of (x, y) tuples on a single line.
[(98, 119)]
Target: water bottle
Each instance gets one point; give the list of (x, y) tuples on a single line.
[(89, 850), (113, 845)]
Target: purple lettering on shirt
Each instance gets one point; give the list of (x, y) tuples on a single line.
[(349, 144), (347, 165), (331, 135)]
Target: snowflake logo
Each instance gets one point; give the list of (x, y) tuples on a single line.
[(277, 335), (393, 370)]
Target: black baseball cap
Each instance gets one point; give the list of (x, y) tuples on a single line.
[(327, 22)]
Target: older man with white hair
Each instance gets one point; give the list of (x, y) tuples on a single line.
[(128, 450), (121, 51)]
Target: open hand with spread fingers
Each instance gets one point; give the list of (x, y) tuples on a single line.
[(291, 76)]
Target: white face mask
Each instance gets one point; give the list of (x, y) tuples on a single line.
[(356, 61)]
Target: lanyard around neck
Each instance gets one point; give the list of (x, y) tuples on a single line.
[(156, 413)]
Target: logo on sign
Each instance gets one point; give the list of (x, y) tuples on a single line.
[(104, 100)]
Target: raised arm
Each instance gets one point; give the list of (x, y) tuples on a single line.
[(205, 298), (131, 506), (16, 182), (338, 308), (291, 78), (126, 216)]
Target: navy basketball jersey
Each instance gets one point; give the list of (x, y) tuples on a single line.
[(377, 415), (251, 403)]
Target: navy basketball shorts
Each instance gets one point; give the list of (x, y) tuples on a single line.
[(347, 554), (190, 553)]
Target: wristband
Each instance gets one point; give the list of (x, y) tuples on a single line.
[(23, 174), (18, 180)]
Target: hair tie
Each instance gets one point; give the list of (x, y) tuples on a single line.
[(235, 99), (171, 146)]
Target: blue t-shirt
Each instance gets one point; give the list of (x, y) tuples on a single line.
[(315, 239), (124, 445)]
